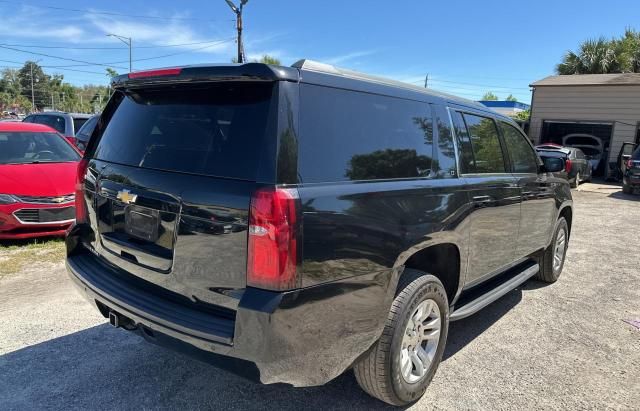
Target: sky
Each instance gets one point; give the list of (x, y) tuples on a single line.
[(465, 47)]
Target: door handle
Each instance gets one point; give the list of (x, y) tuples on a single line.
[(481, 201)]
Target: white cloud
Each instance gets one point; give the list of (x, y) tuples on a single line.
[(340, 59), (27, 22), (154, 33)]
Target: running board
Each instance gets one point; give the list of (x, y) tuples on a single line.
[(479, 303)]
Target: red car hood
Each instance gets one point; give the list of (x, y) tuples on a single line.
[(52, 179)]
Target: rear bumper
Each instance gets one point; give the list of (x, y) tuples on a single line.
[(303, 338), (631, 180)]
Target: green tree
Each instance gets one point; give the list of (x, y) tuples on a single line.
[(269, 60), (266, 59), (595, 56), (511, 97), (489, 96), (32, 75), (628, 51), (111, 73), (523, 115)]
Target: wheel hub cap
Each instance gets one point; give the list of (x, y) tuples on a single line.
[(560, 248), (420, 341)]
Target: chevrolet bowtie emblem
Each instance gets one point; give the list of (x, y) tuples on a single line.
[(126, 197)]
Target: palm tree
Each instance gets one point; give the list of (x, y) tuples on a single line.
[(594, 57)]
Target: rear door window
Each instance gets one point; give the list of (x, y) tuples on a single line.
[(84, 133), (349, 135), (78, 123), (485, 143), (215, 130), (523, 158)]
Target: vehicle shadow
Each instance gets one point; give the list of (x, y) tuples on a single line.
[(103, 367), (107, 368), (462, 332), (622, 196)]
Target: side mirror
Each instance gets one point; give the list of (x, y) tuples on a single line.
[(553, 164)]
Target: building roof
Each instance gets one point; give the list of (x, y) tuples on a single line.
[(618, 79), (7, 126)]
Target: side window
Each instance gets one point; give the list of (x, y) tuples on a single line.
[(467, 162), (523, 158), (28, 119), (446, 149), (485, 143), (347, 135)]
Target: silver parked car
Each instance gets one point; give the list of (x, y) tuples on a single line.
[(66, 124)]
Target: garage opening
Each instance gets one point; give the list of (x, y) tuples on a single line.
[(593, 138)]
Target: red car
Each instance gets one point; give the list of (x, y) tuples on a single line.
[(37, 181)]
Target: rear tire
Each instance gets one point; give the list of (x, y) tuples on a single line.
[(392, 370), (553, 258), (576, 181)]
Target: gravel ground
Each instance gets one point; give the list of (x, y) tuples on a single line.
[(563, 346)]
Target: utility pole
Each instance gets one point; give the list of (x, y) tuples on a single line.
[(33, 98), (238, 12), (53, 106), (128, 42)]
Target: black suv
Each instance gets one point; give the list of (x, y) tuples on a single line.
[(306, 220), (631, 176)]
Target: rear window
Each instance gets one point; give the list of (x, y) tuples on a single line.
[(348, 135), (636, 154), (211, 130), (30, 147), (58, 123)]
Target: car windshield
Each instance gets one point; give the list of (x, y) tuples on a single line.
[(31, 147)]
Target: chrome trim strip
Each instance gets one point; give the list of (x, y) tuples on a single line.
[(39, 223)]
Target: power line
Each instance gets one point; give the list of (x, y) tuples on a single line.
[(113, 63), (62, 58), (111, 13), (108, 48), (187, 51)]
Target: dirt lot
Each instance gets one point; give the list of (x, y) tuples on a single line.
[(563, 346)]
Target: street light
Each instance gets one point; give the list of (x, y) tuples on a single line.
[(127, 41), (238, 12), (33, 98)]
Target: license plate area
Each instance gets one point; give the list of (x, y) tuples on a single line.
[(142, 223)]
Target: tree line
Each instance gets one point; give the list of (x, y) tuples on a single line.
[(603, 56), (30, 88)]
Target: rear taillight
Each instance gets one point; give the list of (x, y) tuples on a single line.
[(81, 206), (272, 251), (567, 166)]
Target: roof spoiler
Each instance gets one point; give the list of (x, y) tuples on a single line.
[(206, 73)]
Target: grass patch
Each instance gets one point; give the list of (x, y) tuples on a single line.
[(15, 256)]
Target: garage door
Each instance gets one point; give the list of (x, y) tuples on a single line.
[(556, 131)]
